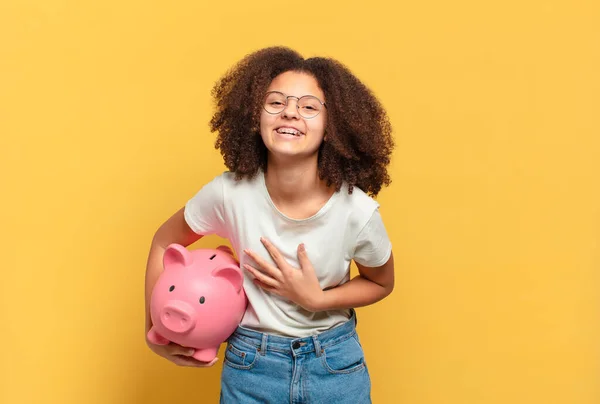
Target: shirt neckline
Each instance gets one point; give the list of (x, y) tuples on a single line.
[(326, 206)]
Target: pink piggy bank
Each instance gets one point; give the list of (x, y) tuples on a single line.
[(198, 300)]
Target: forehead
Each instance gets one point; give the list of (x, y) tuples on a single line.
[(297, 84)]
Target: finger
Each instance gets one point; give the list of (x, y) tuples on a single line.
[(303, 257), (274, 253), (267, 280), (191, 362), (208, 364), (175, 349), (267, 287), (182, 360), (200, 364), (267, 268)]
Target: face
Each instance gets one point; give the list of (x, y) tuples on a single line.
[(288, 133)]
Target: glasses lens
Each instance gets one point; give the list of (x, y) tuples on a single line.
[(309, 106), (274, 103)]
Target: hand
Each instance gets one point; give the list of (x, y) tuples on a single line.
[(299, 285), (179, 355)]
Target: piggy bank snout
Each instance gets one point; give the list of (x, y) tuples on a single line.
[(178, 316)]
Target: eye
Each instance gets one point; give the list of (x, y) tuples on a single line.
[(171, 288), (202, 300)]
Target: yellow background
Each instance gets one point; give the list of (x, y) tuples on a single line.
[(493, 211)]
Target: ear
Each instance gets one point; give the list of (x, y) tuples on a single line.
[(176, 254), (225, 249), (231, 273)]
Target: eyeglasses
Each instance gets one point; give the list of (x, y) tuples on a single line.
[(308, 106)]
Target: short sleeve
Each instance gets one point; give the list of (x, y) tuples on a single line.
[(204, 212), (373, 246)]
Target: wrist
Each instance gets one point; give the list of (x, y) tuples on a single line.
[(317, 303)]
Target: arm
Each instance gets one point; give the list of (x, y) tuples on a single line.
[(301, 285), (204, 214), (370, 286), (174, 230), (373, 283)]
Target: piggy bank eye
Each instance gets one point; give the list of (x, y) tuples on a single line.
[(171, 288), (202, 300)]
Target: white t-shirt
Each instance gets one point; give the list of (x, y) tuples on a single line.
[(348, 227)]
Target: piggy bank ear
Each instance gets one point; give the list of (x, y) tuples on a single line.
[(232, 274), (176, 254), (225, 249)]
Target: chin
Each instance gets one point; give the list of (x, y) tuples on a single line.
[(288, 153)]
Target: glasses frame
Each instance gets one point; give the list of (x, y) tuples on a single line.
[(287, 97)]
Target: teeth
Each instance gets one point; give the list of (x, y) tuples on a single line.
[(289, 131)]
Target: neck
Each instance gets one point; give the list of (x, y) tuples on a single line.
[(293, 181)]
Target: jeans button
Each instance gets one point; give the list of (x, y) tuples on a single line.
[(296, 345)]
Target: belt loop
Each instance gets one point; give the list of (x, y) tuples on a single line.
[(317, 344), (263, 345)]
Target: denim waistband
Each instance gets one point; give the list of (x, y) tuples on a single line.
[(314, 343)]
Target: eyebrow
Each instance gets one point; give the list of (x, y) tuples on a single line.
[(291, 95)]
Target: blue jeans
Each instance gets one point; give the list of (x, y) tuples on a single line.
[(325, 368)]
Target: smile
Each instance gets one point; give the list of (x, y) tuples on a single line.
[(289, 131)]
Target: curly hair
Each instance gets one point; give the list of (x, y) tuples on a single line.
[(358, 141)]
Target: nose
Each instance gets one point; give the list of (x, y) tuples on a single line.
[(291, 109), (178, 316)]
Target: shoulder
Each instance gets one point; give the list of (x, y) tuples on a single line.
[(226, 177), (230, 181), (359, 205), (358, 201)]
